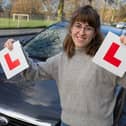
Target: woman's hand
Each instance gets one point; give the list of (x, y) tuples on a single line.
[(123, 39), (9, 44)]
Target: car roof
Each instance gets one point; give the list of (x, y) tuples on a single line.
[(107, 28)]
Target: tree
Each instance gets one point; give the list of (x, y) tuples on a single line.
[(46, 8), (60, 12), (110, 2), (115, 4), (26, 6), (122, 13), (1, 11), (7, 6), (90, 2)]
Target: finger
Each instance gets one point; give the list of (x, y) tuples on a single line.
[(123, 39), (9, 44)]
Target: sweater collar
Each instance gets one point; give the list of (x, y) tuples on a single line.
[(79, 50)]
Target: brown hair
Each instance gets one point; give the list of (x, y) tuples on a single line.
[(88, 15)]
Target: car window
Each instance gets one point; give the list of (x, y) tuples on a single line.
[(47, 43)]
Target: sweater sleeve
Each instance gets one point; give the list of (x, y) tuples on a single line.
[(42, 70), (122, 80)]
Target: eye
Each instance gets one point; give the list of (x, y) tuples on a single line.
[(89, 28), (77, 25)]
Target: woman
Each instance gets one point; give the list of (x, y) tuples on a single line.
[(86, 90)]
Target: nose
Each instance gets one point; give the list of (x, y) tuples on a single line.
[(82, 31)]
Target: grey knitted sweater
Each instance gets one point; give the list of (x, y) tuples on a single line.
[(86, 90)]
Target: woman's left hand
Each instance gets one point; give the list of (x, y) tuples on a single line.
[(123, 39)]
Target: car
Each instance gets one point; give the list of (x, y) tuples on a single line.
[(121, 25), (37, 103), (107, 28)]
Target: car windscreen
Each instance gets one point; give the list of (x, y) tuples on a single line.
[(47, 43)]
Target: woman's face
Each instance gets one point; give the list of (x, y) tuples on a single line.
[(82, 34)]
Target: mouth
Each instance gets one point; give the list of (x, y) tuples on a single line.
[(81, 38)]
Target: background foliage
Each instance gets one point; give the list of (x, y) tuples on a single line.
[(111, 11)]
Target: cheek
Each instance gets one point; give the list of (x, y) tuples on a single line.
[(92, 35), (73, 34)]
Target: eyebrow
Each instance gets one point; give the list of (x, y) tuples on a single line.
[(82, 23)]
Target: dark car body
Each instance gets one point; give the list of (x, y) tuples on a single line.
[(34, 102), (121, 25), (107, 28)]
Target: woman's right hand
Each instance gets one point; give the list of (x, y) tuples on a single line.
[(9, 44)]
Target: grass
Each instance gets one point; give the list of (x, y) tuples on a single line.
[(9, 23)]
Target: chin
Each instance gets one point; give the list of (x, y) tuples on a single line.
[(80, 46)]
